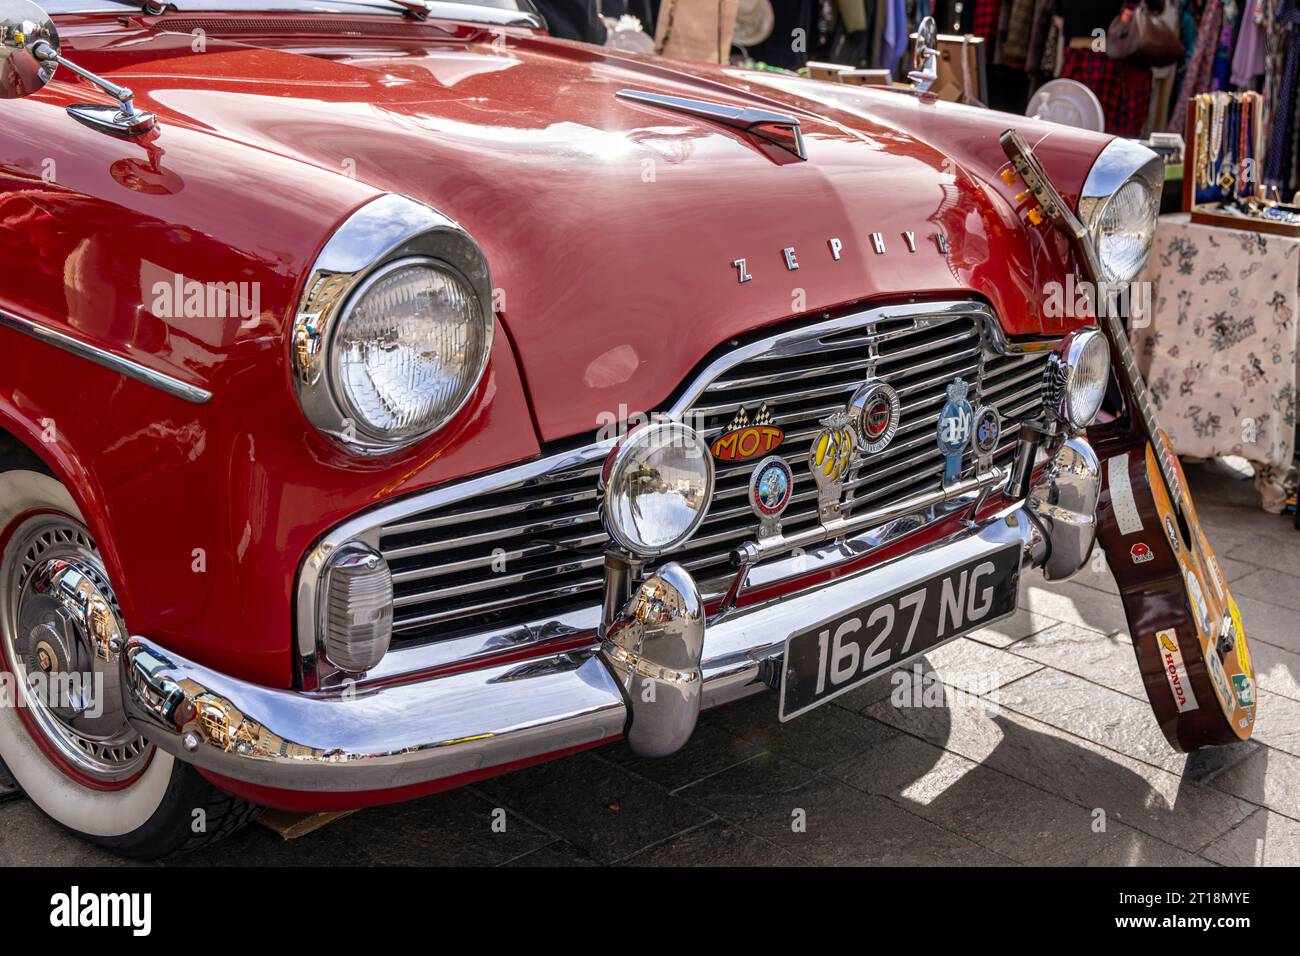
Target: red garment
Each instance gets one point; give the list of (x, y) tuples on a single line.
[(1124, 89), (985, 22)]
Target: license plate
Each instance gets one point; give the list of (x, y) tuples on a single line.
[(845, 652)]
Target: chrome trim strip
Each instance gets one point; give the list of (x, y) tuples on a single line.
[(367, 526), (165, 383)]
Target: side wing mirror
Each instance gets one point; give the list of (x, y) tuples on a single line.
[(25, 29), (29, 55)]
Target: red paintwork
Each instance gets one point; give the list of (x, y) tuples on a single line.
[(614, 287), (323, 801)]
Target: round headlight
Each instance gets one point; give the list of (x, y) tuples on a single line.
[(410, 346), (1079, 376), (1126, 230), (657, 487)]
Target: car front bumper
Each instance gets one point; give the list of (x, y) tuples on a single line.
[(453, 725)]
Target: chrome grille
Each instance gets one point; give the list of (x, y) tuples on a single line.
[(488, 560)]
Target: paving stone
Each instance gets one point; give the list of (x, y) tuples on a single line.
[(999, 812), (446, 829), (714, 844), (1277, 723), (1094, 713), (1105, 659), (846, 827), (1277, 670), (1264, 839), (976, 668), (1269, 778), (750, 788), (556, 854), (1011, 629), (1075, 604), (602, 809), (1147, 798), (29, 838), (825, 736), (723, 737), (1266, 584), (1269, 623)]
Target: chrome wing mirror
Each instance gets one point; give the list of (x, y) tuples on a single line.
[(925, 56), (29, 55)]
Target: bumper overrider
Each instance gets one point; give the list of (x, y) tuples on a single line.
[(658, 658)]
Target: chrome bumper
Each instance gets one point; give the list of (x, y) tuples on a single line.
[(660, 663)]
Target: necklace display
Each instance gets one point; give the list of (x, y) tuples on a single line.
[(1226, 125)]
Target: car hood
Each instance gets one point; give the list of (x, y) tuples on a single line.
[(613, 228)]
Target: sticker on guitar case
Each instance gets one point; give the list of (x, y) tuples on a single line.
[(1220, 681), (1141, 553), (1176, 670), (1243, 651), (1199, 604), (1122, 500)]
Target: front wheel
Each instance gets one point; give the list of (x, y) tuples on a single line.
[(63, 730)]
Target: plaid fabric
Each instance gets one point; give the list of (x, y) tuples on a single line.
[(985, 24), (1123, 88)]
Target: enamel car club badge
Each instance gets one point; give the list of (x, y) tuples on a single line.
[(874, 410), (770, 488), (986, 431), (954, 429), (829, 459), (745, 439)]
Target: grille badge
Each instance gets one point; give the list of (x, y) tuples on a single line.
[(953, 432), (771, 487), (744, 439), (829, 459), (874, 410)]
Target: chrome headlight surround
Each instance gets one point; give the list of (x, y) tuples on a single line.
[(1076, 378), (386, 231), (1123, 168), (632, 456)]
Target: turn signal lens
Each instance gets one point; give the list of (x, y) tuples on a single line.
[(357, 609)]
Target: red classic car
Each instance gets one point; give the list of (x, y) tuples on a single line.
[(393, 396)]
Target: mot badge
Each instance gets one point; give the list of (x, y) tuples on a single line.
[(829, 459), (770, 488), (874, 411), (954, 429), (986, 430), (747, 438)]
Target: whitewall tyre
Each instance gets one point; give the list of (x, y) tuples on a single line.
[(71, 750)]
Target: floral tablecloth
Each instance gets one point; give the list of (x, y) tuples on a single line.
[(1219, 352)]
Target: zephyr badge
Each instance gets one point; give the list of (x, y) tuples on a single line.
[(954, 429)]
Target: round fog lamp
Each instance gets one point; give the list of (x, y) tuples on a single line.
[(1081, 374), (657, 486)]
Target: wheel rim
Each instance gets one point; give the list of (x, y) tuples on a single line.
[(62, 633)]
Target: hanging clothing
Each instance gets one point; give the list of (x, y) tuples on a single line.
[(1248, 60), (1124, 89), (1278, 160), (1196, 78), (894, 42), (987, 15)]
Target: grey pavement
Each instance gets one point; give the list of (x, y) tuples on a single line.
[(1034, 745)]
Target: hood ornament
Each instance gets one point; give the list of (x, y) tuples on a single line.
[(776, 128)]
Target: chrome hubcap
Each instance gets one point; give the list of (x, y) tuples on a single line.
[(63, 633)]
